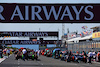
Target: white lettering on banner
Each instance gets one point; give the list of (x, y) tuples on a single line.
[(45, 13), (20, 42), (31, 34)]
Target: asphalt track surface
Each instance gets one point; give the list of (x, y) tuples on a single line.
[(43, 62)]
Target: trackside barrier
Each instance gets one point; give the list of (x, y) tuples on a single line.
[(84, 46)]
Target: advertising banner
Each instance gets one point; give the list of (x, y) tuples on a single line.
[(96, 35), (27, 34), (27, 42), (48, 13)]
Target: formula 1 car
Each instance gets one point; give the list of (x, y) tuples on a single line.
[(49, 54), (18, 55), (78, 58), (64, 56), (31, 56)]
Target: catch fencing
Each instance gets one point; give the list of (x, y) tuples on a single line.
[(85, 46)]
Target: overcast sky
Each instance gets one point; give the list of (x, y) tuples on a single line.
[(45, 26)]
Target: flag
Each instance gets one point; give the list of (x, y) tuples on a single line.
[(90, 32), (83, 27), (73, 35), (84, 32), (80, 34), (86, 27)]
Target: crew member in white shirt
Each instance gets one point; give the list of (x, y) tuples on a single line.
[(24, 53)]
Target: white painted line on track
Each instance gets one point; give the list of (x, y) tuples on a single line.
[(10, 55), (5, 58), (18, 63), (40, 63), (2, 60)]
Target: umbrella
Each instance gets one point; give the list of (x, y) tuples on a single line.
[(63, 51), (21, 48), (46, 49), (56, 49)]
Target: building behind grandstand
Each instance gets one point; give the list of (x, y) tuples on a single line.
[(85, 40)]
